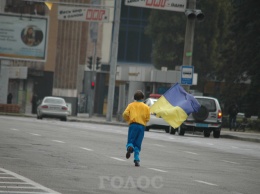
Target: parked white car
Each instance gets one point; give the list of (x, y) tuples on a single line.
[(208, 119), (53, 107)]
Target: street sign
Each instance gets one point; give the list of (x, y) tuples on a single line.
[(186, 75), (85, 14), (171, 5)]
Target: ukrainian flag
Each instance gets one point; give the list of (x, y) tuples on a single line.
[(175, 105)]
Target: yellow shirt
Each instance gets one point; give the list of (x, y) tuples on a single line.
[(137, 112)]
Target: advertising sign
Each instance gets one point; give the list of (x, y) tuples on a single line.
[(91, 14), (23, 37), (186, 75), (171, 5)]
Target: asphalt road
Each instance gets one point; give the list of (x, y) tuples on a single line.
[(49, 156)]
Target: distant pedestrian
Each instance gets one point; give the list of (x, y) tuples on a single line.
[(232, 111), (34, 101), (9, 98), (137, 114)]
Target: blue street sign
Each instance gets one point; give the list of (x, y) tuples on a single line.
[(186, 75)]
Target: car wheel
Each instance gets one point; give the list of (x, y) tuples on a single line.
[(172, 130), (181, 131), (147, 128), (202, 114), (216, 133), (206, 133), (167, 130)]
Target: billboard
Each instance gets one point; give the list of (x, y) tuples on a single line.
[(170, 5), (84, 14), (23, 37)]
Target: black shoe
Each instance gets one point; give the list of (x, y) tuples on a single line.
[(129, 151), (136, 163)]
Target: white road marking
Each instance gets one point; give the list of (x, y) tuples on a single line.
[(119, 159), (58, 141), (159, 145), (190, 152), (195, 142), (16, 183), (234, 147), (22, 192), (17, 187), (86, 149), (35, 134), (210, 144), (11, 158), (229, 162), (207, 183), (14, 129), (25, 180), (171, 138), (155, 169), (8, 177)]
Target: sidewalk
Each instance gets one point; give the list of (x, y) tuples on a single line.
[(225, 133)]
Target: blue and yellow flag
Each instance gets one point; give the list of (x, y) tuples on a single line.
[(175, 105)]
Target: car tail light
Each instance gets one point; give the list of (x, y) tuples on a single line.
[(44, 106), (219, 114), (64, 108)]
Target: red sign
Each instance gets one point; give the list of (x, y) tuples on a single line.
[(95, 14)]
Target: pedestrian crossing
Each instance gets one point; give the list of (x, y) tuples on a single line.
[(13, 183)]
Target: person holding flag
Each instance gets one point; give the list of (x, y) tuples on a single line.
[(137, 114)]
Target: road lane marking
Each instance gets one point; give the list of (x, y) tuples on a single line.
[(34, 185), (234, 147), (58, 141), (17, 187), (159, 145), (35, 134), (155, 169), (16, 183), (86, 149), (8, 177), (171, 138), (119, 159), (207, 183), (13, 129), (210, 144), (195, 142), (190, 152), (229, 162)]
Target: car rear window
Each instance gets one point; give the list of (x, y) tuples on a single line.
[(54, 101), (209, 103)]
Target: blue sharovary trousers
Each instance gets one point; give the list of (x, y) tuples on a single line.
[(135, 138)]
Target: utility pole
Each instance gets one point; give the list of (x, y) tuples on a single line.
[(113, 61), (193, 15), (189, 35)]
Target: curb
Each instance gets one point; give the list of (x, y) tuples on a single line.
[(240, 138)]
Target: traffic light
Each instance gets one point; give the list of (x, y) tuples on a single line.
[(98, 62), (194, 14), (90, 62), (92, 85)]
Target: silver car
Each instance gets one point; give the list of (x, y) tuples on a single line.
[(208, 119), (53, 107), (155, 122)]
